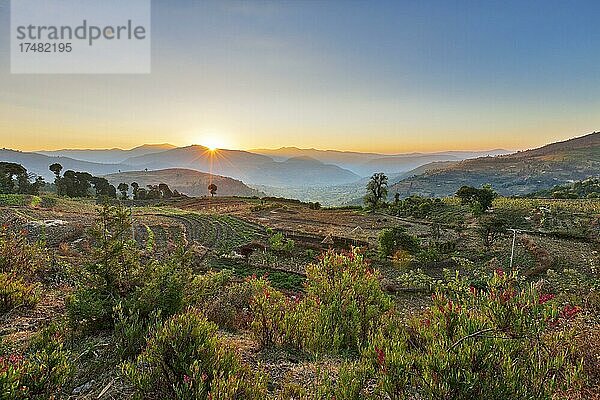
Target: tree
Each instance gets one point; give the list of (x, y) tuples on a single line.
[(212, 188), (165, 192), (123, 188), (376, 190), (480, 199), (153, 192), (491, 228), (103, 187), (56, 168), (15, 179), (135, 189)]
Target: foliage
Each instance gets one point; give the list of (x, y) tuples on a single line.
[(212, 188), (490, 344), (17, 255), (40, 373), (15, 179), (278, 242), (415, 206), (14, 292), (479, 199), (118, 273), (376, 190), (583, 189), (342, 302), (184, 359), (490, 228), (393, 239)]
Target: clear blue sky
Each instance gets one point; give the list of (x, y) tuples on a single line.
[(357, 75)]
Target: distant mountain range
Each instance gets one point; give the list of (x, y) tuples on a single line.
[(249, 167), (185, 181), (39, 163), (365, 164), (108, 156), (308, 173), (515, 174)]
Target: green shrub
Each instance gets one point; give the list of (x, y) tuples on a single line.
[(222, 300), (278, 242), (131, 330), (393, 239), (41, 373), (19, 256), (269, 309), (163, 286), (184, 359), (499, 343), (342, 303), (118, 273), (14, 292)]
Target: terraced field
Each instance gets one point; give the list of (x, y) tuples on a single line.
[(222, 233)]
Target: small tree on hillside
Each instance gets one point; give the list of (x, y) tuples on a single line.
[(123, 188), (212, 188), (56, 168), (376, 190), (480, 199), (165, 192), (135, 187)]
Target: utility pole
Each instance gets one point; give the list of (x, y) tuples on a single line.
[(512, 250)]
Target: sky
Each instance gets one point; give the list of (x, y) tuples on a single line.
[(379, 76)]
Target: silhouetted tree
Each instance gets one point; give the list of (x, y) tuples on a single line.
[(480, 199), (153, 192), (15, 179), (56, 168), (123, 188), (135, 189), (376, 190), (141, 194), (165, 192), (103, 187), (212, 188)]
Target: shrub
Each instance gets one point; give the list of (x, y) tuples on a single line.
[(397, 238), (117, 274), (41, 373), (269, 308), (14, 292), (18, 255), (221, 300), (184, 359), (492, 344), (163, 286), (342, 303), (278, 242)]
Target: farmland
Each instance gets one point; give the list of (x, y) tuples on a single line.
[(557, 246)]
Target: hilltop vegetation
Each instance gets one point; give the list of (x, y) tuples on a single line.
[(515, 174), (586, 189), (189, 182)]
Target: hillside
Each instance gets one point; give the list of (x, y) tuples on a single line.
[(515, 174), (185, 181), (39, 163), (365, 164), (246, 166), (586, 189), (108, 156)]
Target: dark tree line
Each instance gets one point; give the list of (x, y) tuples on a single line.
[(80, 184), (152, 192), (14, 178)]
